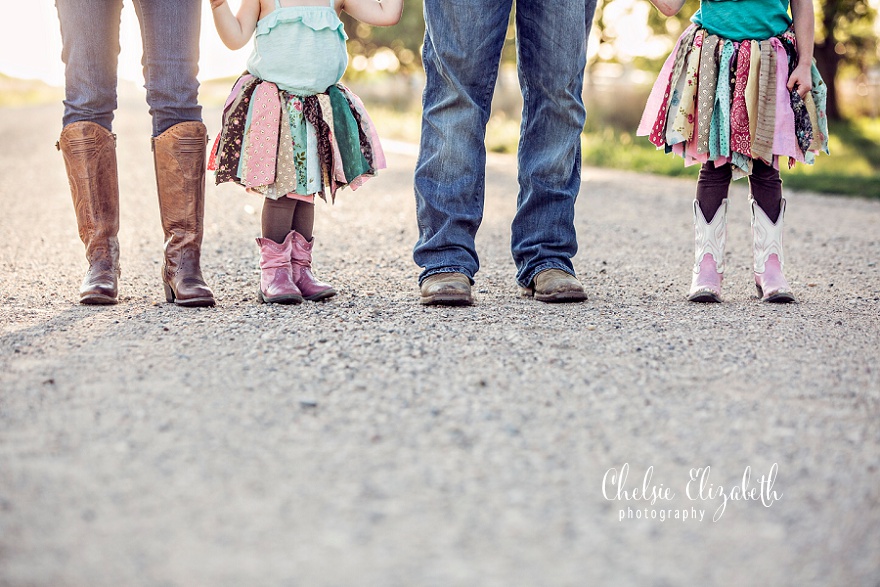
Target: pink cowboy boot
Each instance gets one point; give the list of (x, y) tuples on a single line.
[(301, 260), (769, 262), (709, 241), (277, 285)]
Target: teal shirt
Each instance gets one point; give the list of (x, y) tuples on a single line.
[(738, 20), (301, 49)]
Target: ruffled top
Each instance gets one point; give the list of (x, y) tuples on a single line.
[(301, 49)]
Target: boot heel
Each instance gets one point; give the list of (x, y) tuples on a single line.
[(169, 293)]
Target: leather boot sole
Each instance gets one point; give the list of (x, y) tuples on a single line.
[(321, 295), (447, 299), (97, 299), (559, 297), (284, 299), (203, 302), (704, 297), (562, 297), (781, 297)]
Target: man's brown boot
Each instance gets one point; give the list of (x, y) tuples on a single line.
[(446, 289), (89, 152), (179, 155), (556, 286)]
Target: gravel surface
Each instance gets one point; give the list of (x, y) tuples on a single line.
[(372, 441)]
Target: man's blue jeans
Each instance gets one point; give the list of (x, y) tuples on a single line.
[(90, 39), (463, 42)]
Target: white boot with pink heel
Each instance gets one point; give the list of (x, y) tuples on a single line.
[(769, 262), (709, 241)]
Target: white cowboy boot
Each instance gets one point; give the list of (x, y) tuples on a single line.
[(769, 262), (709, 241)]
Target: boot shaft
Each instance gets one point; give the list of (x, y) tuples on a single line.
[(179, 158), (89, 152), (766, 235), (710, 237)]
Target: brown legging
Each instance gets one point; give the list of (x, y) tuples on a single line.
[(285, 214), (714, 182)]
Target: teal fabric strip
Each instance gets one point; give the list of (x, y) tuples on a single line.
[(719, 132), (299, 136), (347, 137)]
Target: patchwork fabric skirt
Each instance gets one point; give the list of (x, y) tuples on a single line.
[(727, 102), (279, 144)]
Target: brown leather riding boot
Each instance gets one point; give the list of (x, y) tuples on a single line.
[(179, 154), (89, 152)]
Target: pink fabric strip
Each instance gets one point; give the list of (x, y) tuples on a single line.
[(262, 149), (300, 197), (659, 94), (212, 158), (784, 138), (237, 88)]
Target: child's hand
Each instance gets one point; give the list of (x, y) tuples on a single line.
[(235, 30), (374, 12), (801, 78)]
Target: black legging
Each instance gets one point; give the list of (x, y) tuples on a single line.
[(714, 182), (285, 214)]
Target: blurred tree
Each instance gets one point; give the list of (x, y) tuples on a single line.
[(404, 39), (845, 38)]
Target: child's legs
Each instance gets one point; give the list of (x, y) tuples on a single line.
[(277, 218), (304, 219), (285, 214), (766, 187), (712, 188)]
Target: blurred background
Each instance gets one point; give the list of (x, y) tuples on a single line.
[(628, 43)]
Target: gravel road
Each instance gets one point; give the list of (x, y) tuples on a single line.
[(371, 441)]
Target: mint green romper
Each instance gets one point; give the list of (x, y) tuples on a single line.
[(301, 49)]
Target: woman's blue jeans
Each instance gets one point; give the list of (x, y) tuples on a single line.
[(462, 51), (90, 49)]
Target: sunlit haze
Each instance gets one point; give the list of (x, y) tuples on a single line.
[(30, 46)]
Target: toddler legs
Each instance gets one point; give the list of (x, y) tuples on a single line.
[(712, 187), (303, 220), (764, 182), (766, 188), (277, 218), (285, 214)]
